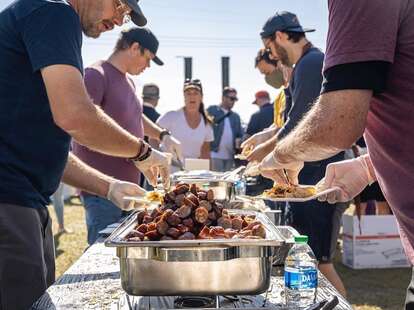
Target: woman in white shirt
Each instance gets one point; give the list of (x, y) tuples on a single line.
[(190, 124)]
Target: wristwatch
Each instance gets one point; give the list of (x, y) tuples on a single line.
[(164, 133)]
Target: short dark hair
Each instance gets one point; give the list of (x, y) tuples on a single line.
[(294, 36), (124, 43), (264, 54)]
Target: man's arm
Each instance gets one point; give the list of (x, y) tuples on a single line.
[(74, 112), (80, 175), (335, 122), (151, 129)]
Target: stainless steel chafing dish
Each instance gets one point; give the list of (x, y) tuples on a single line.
[(196, 267)]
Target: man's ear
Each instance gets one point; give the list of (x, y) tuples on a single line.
[(281, 36), (134, 48)]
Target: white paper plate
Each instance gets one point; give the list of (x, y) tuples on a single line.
[(291, 199)]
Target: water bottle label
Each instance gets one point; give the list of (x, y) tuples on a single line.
[(297, 279)]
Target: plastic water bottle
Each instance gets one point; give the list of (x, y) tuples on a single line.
[(240, 187), (301, 275)]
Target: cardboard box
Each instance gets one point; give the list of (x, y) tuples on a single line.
[(196, 164), (372, 243)]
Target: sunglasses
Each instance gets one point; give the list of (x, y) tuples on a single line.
[(192, 82), (123, 10), (232, 98)]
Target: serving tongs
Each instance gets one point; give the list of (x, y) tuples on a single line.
[(142, 202), (233, 174), (252, 170)]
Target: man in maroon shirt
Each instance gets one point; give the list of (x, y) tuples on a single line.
[(368, 86), (112, 89)]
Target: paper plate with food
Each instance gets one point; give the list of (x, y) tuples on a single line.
[(293, 193)]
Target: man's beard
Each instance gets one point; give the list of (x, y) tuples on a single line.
[(283, 56), (93, 18)]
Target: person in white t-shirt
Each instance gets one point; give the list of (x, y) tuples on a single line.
[(190, 124)]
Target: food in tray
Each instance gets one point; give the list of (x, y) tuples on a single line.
[(154, 197), (188, 213), (289, 191)]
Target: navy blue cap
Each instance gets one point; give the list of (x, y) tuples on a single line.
[(136, 14), (145, 38), (282, 21)]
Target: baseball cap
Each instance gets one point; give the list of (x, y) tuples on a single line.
[(282, 21), (136, 15), (260, 94), (145, 38), (151, 90)]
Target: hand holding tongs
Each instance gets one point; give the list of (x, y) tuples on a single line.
[(144, 202), (253, 169), (231, 175)]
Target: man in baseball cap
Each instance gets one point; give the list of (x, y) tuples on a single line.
[(283, 35), (145, 38), (150, 98), (110, 87), (261, 97)]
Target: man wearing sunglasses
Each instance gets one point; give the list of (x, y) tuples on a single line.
[(44, 104), (287, 41), (227, 131)]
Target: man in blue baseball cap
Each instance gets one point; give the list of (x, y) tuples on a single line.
[(285, 38)]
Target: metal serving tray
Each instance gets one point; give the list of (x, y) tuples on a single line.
[(196, 267), (222, 187)]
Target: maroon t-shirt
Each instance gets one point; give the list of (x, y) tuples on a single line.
[(383, 30), (114, 92)]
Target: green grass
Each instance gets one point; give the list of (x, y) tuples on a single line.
[(69, 247), (367, 289)]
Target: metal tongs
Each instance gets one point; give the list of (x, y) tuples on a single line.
[(252, 170), (231, 175), (143, 201)]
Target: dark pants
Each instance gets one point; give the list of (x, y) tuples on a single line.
[(320, 221), (409, 299), (27, 261), (99, 213)]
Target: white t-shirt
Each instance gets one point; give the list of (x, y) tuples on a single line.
[(191, 139), (225, 150)]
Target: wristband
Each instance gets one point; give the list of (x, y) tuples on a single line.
[(143, 149), (146, 154)]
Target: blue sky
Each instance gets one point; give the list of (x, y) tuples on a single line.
[(207, 30)]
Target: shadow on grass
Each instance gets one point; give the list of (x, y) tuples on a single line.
[(56, 238), (383, 288)]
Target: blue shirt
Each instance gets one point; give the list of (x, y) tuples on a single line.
[(304, 89), (34, 34), (261, 119)]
